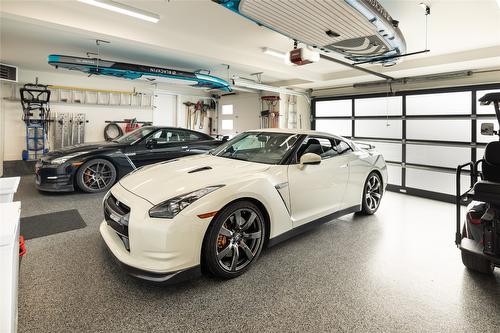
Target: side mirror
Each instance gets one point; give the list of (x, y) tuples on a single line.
[(309, 159), (487, 129), (151, 143)]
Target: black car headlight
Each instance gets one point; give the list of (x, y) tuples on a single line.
[(170, 208)]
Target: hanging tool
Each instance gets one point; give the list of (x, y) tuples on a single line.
[(188, 105)]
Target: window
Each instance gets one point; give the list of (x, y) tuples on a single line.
[(342, 147), (422, 134), (227, 109), (341, 127), (334, 108), (379, 106), (320, 146), (168, 136), (191, 136), (227, 124), (265, 147)]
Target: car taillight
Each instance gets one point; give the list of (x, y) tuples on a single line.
[(473, 219)]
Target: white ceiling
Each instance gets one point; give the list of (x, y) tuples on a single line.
[(198, 34)]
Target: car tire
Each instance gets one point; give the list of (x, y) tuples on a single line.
[(372, 194), (477, 263), (234, 240), (96, 175)]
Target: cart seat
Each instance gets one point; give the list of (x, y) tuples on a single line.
[(486, 191)]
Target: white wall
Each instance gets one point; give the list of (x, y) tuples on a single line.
[(13, 139), (246, 108), (14, 128)]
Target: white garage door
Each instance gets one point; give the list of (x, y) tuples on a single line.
[(423, 135)]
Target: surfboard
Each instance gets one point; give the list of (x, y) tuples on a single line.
[(97, 66), (360, 30)]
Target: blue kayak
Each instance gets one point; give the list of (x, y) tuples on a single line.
[(96, 66)]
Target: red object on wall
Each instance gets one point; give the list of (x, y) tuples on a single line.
[(131, 125), (22, 246)]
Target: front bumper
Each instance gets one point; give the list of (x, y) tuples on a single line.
[(54, 178), (161, 250), (166, 278), (476, 249)]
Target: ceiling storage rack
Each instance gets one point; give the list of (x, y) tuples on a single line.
[(95, 97)]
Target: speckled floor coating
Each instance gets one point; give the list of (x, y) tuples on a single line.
[(395, 271)]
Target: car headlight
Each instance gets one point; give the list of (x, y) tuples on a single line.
[(62, 159), (170, 208)]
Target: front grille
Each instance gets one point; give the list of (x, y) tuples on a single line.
[(117, 206), (117, 215)]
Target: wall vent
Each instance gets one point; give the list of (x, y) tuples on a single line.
[(8, 73)]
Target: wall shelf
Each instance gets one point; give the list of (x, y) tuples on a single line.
[(61, 95)]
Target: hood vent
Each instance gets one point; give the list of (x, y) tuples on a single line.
[(200, 169)]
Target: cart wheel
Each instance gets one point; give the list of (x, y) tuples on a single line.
[(476, 263)]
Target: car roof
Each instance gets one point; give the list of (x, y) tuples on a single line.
[(295, 131), (173, 128)]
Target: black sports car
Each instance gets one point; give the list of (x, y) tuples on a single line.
[(95, 167)]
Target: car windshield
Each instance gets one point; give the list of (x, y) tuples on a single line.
[(259, 147), (135, 135)]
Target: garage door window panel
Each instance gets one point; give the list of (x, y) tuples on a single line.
[(341, 127), (338, 108), (439, 129), (379, 128), (453, 103), (390, 151), (484, 109), (435, 181), (441, 156), (379, 106)]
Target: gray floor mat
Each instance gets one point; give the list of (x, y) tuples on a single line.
[(52, 223)]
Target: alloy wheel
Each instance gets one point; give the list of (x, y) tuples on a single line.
[(239, 239), (97, 176), (373, 192)]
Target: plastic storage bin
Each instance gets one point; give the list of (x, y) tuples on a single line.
[(8, 186), (9, 264)]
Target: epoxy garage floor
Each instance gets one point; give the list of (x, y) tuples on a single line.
[(396, 271)]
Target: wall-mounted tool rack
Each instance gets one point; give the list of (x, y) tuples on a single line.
[(95, 97)]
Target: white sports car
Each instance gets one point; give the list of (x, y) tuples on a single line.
[(214, 213)]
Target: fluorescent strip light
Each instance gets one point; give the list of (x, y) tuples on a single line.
[(123, 9), (498, 2), (275, 53), (245, 83)]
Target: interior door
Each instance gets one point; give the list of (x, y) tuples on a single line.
[(164, 144), (318, 190)]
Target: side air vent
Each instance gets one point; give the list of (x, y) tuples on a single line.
[(8, 73), (200, 169)]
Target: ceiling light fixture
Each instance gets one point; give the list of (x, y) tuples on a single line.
[(498, 3), (123, 9), (274, 53), (246, 83), (427, 8)]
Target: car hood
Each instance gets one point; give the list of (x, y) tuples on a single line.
[(80, 148), (162, 181)]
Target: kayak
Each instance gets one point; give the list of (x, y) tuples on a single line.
[(97, 66)]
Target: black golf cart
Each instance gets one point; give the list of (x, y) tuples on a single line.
[(479, 238)]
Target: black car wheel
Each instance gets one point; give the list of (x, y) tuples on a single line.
[(372, 194), (96, 176), (234, 240)]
